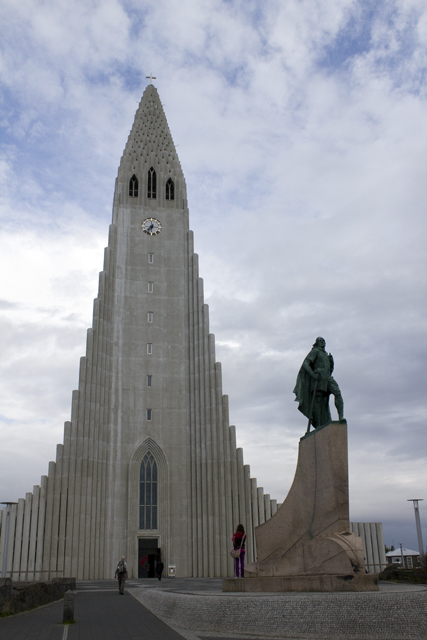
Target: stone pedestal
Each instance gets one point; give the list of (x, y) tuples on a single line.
[(307, 545), (276, 584)]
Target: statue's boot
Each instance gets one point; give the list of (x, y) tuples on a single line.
[(339, 404)]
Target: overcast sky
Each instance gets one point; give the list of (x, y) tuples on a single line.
[(301, 127)]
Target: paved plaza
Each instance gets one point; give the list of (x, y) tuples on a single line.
[(196, 609)]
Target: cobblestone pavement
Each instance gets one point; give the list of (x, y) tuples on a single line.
[(196, 609), (396, 612)]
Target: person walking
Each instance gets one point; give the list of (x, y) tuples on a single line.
[(159, 568), (239, 539), (121, 574)]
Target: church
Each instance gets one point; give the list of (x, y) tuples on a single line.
[(148, 467)]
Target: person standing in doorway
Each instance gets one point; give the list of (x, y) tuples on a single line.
[(239, 539), (121, 574), (159, 568)]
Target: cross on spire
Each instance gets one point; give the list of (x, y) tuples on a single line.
[(151, 78)]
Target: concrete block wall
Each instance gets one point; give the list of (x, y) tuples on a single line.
[(16, 597)]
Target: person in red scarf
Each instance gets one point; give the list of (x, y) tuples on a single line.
[(239, 539)]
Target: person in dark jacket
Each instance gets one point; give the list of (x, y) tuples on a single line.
[(239, 539), (159, 568)]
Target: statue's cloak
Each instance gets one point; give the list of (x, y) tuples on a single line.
[(304, 391)]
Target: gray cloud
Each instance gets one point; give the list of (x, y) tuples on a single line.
[(301, 132)]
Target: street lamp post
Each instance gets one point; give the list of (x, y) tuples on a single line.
[(6, 538), (418, 523)]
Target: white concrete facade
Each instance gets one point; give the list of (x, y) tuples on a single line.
[(149, 319), (373, 544)]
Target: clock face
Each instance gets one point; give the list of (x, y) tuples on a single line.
[(151, 226)]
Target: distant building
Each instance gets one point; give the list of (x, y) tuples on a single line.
[(411, 559), (373, 544)]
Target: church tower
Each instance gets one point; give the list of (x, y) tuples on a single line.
[(149, 465)]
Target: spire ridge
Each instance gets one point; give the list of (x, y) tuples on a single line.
[(150, 144)]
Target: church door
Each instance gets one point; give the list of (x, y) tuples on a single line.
[(148, 552)]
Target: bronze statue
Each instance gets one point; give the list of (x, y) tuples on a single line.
[(314, 386)]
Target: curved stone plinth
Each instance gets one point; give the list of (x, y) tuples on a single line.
[(273, 584), (333, 616), (310, 533)]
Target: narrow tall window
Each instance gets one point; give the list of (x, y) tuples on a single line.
[(133, 187), (148, 493), (152, 187), (149, 348), (150, 288), (149, 414), (150, 316), (151, 258), (170, 190), (149, 381)]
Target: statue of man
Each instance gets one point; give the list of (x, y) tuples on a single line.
[(314, 386)]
